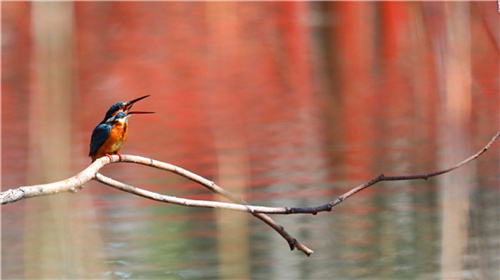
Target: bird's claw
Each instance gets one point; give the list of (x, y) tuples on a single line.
[(118, 154)]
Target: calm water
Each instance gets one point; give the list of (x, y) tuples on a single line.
[(393, 230), (273, 136)]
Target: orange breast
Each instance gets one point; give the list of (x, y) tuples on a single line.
[(117, 136)]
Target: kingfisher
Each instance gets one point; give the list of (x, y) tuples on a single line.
[(110, 134)]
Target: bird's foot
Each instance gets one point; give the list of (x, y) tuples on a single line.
[(118, 154)]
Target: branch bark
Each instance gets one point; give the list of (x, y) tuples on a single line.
[(91, 173)]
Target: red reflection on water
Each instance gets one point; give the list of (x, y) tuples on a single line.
[(250, 96)]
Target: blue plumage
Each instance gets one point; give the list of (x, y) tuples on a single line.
[(99, 136)]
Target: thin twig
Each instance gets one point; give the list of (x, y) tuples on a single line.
[(382, 177)]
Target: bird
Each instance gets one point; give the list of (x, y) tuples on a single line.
[(111, 133)]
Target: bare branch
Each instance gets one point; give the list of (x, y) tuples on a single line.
[(242, 206), (180, 201), (68, 185), (91, 172), (382, 177), (297, 210)]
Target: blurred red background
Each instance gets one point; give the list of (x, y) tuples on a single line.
[(250, 94)]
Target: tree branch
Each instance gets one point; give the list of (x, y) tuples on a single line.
[(382, 177), (91, 172), (241, 206)]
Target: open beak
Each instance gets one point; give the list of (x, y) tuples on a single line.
[(139, 112), (127, 107)]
